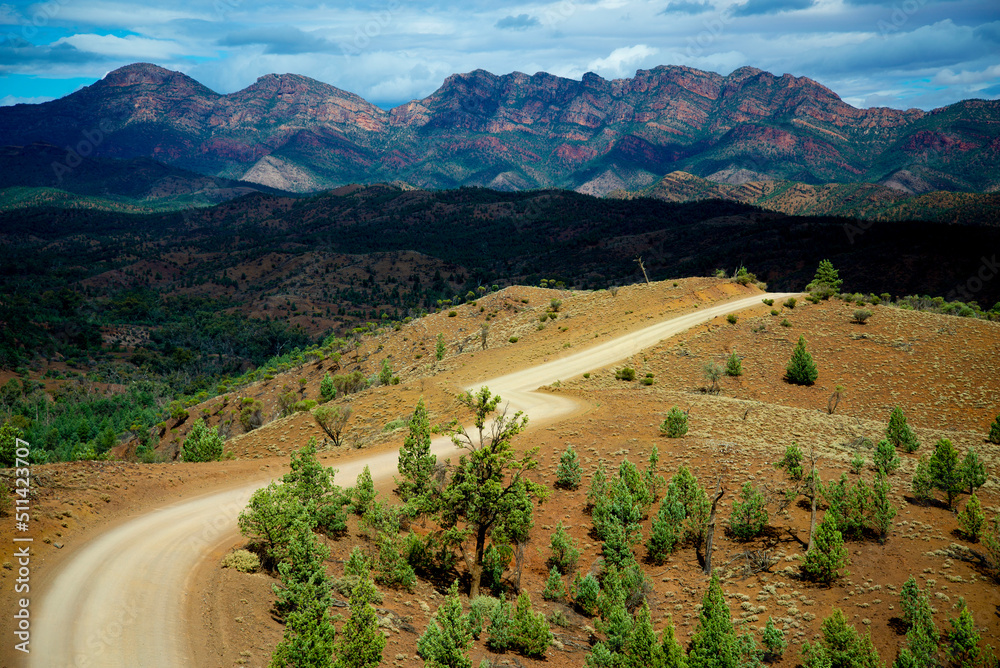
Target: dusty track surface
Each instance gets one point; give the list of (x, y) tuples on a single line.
[(120, 601)]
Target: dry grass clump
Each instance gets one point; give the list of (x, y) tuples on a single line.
[(242, 560)]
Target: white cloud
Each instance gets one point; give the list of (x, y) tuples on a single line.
[(948, 77), (9, 16), (131, 46), (10, 100), (622, 61)]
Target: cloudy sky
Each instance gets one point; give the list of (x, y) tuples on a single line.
[(898, 53)]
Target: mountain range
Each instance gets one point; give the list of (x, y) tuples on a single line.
[(515, 132)]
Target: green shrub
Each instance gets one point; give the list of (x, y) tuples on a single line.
[(586, 591), (769, 302), (326, 389), (749, 515), (972, 520), (734, 366), (481, 609), (945, 470), (565, 551), (994, 435), (962, 649), (792, 462), (922, 484), (773, 640), (885, 458), (513, 339), (676, 423), (568, 474), (732, 318), (202, 444), (452, 314), (625, 373), (439, 347), (251, 414), (446, 642), (899, 433), (243, 561), (861, 316), (363, 495), (358, 564), (840, 647), (801, 369), (785, 323), (827, 560), (857, 462), (775, 311), (790, 302), (554, 587)]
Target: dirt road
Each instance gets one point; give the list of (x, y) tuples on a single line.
[(120, 601)]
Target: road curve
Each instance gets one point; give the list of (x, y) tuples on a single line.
[(120, 601)]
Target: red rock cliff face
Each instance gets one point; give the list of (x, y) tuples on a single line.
[(537, 130)]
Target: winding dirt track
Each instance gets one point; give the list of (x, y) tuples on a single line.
[(119, 602)]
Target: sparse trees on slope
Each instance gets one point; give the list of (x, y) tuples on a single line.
[(488, 485), (801, 369)]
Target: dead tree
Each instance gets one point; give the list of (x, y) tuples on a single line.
[(643, 267), (710, 530)]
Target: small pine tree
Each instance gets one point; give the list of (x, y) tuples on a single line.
[(642, 650), (385, 374), (568, 475), (531, 634), (554, 587), (773, 640), (963, 639), (973, 471), (899, 433), (586, 591), (792, 462), (446, 641), (501, 627), (676, 423), (972, 519), (994, 435), (673, 654), (885, 458), (749, 516), (921, 648), (358, 564), (734, 366), (667, 530), (363, 494), (416, 463), (922, 484), (598, 486), (654, 481), (714, 641), (909, 600), (327, 390), (826, 283), (945, 470), (840, 647), (565, 552), (202, 444), (882, 510), (801, 369), (825, 562), (361, 642), (439, 348)]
